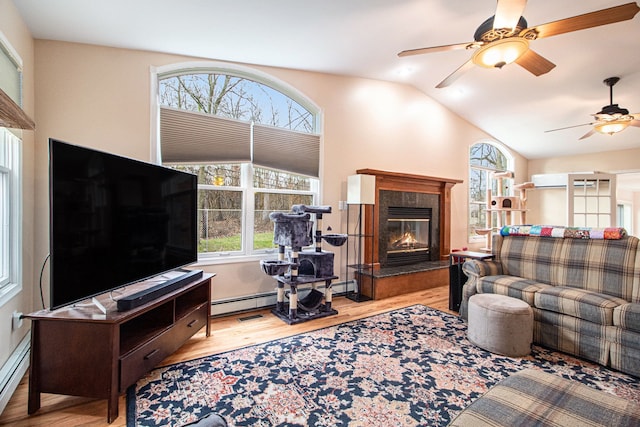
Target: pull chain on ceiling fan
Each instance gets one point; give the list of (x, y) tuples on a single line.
[(504, 38)]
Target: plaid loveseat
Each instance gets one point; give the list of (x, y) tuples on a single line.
[(583, 286)]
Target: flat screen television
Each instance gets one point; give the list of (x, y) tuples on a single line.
[(115, 221)]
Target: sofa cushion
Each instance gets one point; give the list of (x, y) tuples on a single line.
[(533, 258), (627, 316), (582, 304), (512, 286)]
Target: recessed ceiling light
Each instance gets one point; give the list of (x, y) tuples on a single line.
[(405, 71)]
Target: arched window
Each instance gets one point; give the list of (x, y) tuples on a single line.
[(484, 159), (251, 140)]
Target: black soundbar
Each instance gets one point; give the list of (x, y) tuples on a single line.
[(147, 295)]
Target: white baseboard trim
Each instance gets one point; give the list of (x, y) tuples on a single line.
[(267, 299), (13, 370)]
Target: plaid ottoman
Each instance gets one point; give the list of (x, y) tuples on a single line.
[(536, 398)]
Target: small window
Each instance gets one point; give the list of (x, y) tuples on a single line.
[(10, 71), (484, 160)]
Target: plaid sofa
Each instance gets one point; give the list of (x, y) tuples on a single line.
[(584, 291)]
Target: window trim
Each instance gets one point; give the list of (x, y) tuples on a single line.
[(191, 67), (12, 284), (471, 238), (248, 216)]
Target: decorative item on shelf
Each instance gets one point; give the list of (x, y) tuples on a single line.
[(501, 202), (361, 190), (504, 206)]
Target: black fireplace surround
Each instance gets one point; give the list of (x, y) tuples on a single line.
[(408, 228)]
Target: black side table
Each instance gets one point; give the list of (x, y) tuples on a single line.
[(457, 278)]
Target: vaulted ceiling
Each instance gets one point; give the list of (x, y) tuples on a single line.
[(363, 38)]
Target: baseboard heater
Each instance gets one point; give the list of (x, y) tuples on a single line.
[(142, 297), (227, 306)]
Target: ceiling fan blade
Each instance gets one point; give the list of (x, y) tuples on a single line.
[(588, 134), (636, 116), (535, 63), (588, 20), (433, 49), (457, 73), (508, 13), (635, 123), (568, 127)]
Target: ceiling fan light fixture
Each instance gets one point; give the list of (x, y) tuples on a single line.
[(500, 52), (611, 127)]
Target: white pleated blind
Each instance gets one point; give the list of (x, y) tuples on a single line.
[(10, 72), (288, 150), (191, 137)]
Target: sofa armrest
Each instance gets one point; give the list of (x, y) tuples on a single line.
[(474, 269), (479, 268)]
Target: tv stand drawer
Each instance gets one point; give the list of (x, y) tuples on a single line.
[(186, 327), (137, 363)]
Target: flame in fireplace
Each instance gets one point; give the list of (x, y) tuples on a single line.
[(407, 240)]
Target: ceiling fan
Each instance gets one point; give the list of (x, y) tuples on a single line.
[(611, 119), (504, 38)]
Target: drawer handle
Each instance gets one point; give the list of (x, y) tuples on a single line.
[(150, 355), (193, 322)]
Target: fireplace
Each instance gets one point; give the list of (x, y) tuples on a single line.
[(408, 235), (409, 228), (425, 212)]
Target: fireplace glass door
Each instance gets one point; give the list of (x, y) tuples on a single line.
[(409, 231)]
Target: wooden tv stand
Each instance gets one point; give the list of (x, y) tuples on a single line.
[(79, 351)]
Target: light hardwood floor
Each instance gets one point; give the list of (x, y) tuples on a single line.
[(227, 333)]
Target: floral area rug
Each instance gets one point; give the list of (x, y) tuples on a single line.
[(409, 367)]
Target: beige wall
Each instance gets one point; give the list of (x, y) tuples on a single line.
[(548, 206), (100, 97), (17, 34)]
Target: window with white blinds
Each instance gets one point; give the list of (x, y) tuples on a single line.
[(193, 137), (10, 71), (253, 148)]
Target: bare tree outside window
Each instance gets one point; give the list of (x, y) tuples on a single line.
[(236, 98), (222, 208), (484, 159)]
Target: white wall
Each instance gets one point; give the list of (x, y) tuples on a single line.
[(549, 206)]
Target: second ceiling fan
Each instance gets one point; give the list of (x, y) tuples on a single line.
[(611, 119), (504, 38)]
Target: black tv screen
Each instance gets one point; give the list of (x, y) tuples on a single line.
[(115, 221)]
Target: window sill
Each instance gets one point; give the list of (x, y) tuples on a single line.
[(8, 292), (233, 259)]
